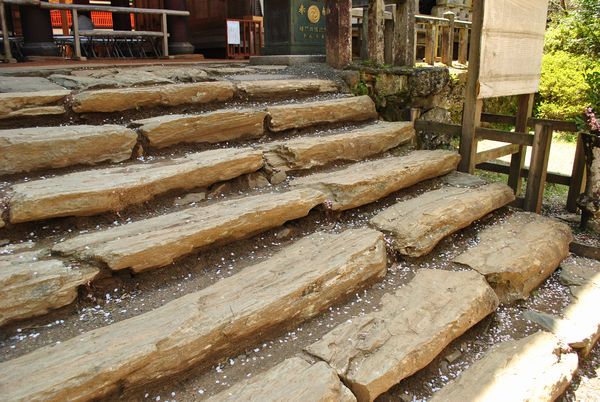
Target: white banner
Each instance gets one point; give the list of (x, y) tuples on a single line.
[(233, 33)]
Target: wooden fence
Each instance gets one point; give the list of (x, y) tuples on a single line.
[(250, 38)]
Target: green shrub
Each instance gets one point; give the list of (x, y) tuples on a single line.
[(563, 88)]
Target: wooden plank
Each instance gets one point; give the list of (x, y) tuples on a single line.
[(463, 45), (536, 180), (375, 31), (473, 105), (134, 10), (435, 127), (577, 177), (517, 161), (504, 136), (430, 34), (448, 39), (583, 250), (405, 34), (495, 153), (554, 178)]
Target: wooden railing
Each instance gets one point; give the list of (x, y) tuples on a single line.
[(77, 33), (440, 35), (250, 41)]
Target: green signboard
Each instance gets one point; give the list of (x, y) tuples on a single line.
[(295, 27)]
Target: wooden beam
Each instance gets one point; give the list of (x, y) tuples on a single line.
[(430, 36), (504, 136), (495, 153), (442, 128), (554, 178), (388, 37), (338, 40), (473, 105), (405, 33), (165, 38), (448, 39), (557, 125), (375, 31), (498, 118), (583, 250), (463, 45), (578, 176), (517, 161), (538, 170), (76, 37), (364, 35)]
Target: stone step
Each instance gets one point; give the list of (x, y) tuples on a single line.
[(117, 100), (200, 328), (156, 242), (530, 369), (270, 89), (355, 145), (213, 127), (293, 380), (112, 189), (26, 149), (519, 254), (373, 352), (301, 115), (31, 284), (363, 183), (419, 224), (579, 326), (22, 104)]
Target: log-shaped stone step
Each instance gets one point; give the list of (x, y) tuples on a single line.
[(22, 104), (419, 224), (270, 89), (372, 353), (219, 126), (295, 284), (301, 115), (530, 369), (26, 149), (519, 254), (32, 285), (117, 100), (293, 380), (579, 326), (112, 189), (363, 183), (355, 145), (157, 241)]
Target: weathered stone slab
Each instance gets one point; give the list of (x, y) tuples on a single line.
[(156, 242), (26, 149), (372, 353), (589, 388), (293, 380), (27, 84), (300, 115), (519, 254), (116, 100), (124, 77), (355, 145), (363, 183), (112, 189), (530, 369), (15, 104), (295, 284), (219, 126), (32, 285), (285, 88), (419, 224)]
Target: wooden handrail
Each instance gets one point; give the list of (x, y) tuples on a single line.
[(85, 7)]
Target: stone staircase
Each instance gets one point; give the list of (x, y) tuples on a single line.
[(203, 235)]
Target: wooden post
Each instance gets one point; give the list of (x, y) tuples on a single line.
[(577, 177), (463, 45), (536, 180), (405, 33), (76, 37), (165, 38), (430, 34), (338, 36), (517, 161), (473, 105), (364, 35), (388, 37), (375, 30), (448, 39), (5, 37)]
